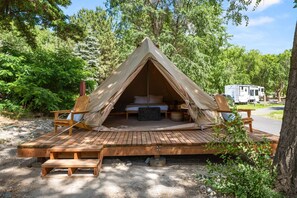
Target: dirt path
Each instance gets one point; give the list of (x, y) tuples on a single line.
[(119, 177)]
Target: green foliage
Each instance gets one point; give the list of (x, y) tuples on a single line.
[(190, 33), (9, 109), (247, 170), (40, 80), (25, 15), (235, 65), (99, 48), (88, 50)]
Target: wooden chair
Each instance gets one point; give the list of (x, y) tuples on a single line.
[(224, 108), (74, 116)]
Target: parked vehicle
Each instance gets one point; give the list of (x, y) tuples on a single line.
[(261, 93), (245, 93)]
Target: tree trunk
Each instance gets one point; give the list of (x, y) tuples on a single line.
[(286, 154), (278, 95)]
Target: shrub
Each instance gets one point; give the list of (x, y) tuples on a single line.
[(40, 80), (247, 170), (9, 109)]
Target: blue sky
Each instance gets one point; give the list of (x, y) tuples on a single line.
[(270, 30), (271, 27)]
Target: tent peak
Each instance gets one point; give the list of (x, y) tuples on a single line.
[(148, 41)]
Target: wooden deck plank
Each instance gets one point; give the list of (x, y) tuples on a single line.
[(148, 138), (120, 143), (130, 138), (116, 137), (202, 136), (169, 137), (104, 137), (112, 140), (198, 137), (167, 141), (138, 138), (189, 137), (98, 138), (152, 137), (144, 138), (108, 136), (68, 140), (85, 135), (125, 138), (161, 138), (177, 138), (134, 138), (121, 138), (173, 138), (40, 139), (208, 134), (89, 139), (78, 141), (55, 139), (156, 137), (182, 138)]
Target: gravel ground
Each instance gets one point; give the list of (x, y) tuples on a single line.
[(119, 177)]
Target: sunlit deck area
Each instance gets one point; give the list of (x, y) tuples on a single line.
[(133, 143)]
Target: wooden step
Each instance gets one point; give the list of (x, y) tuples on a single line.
[(71, 164), (72, 149)]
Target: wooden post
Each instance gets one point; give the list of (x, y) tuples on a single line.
[(82, 88)]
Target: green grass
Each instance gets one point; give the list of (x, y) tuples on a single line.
[(256, 106), (277, 115)]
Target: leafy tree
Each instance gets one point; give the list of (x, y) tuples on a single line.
[(26, 14), (227, 69), (88, 50), (40, 79), (190, 33), (99, 49), (281, 74)]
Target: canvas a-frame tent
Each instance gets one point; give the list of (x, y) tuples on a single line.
[(130, 77)]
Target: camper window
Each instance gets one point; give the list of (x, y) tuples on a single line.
[(256, 92), (252, 92)]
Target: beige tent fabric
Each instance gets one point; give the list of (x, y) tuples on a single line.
[(107, 94)]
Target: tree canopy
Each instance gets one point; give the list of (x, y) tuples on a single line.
[(26, 14), (191, 33)]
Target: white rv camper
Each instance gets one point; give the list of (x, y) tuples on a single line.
[(240, 93), (261, 93), (254, 93), (245, 93)]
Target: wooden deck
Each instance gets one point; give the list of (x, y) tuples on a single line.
[(133, 143)]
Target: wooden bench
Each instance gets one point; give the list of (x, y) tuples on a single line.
[(73, 164)]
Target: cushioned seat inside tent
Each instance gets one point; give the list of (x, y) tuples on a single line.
[(147, 71)]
